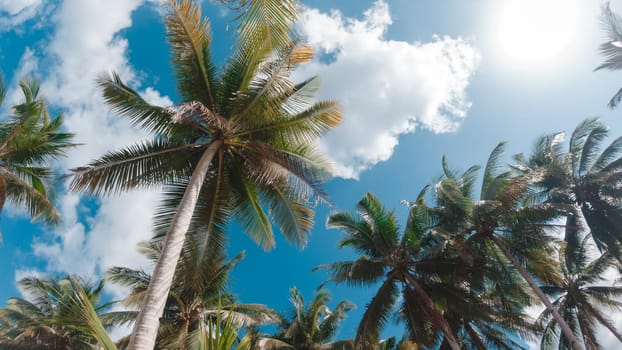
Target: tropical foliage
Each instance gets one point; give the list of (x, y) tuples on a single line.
[(462, 273), (310, 326), (612, 49), (58, 314), (240, 144), (582, 297), (198, 302), (30, 140)]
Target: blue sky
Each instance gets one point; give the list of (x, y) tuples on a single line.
[(417, 79)]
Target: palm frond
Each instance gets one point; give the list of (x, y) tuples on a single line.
[(139, 166), (492, 167), (26, 194), (189, 37), (376, 314), (127, 102), (264, 26)]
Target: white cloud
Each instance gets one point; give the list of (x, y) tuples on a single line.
[(386, 87), (86, 41), (16, 12)]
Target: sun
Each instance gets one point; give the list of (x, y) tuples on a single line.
[(536, 32)]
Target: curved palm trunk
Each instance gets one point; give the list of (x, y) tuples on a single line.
[(146, 328), (574, 342), (438, 319)]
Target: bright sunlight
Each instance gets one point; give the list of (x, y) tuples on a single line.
[(536, 32)]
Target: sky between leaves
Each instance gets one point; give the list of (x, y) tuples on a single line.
[(417, 79)]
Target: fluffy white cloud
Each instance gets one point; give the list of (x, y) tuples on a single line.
[(386, 87), (85, 43)]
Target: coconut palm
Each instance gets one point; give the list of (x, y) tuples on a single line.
[(493, 318), (399, 263), (582, 298), (583, 178), (309, 326), (487, 298), (240, 144), (58, 314), (198, 301), (505, 219), (29, 141)]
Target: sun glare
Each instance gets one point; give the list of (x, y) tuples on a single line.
[(536, 32)]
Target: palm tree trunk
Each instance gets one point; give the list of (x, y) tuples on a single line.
[(146, 328), (437, 318), (475, 336), (605, 322), (574, 342)]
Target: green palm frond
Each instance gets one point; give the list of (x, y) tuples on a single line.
[(28, 195), (250, 213), (590, 149), (308, 325), (292, 216), (376, 313), (492, 168), (268, 90), (577, 142), (139, 166), (188, 35), (607, 157), (127, 102), (30, 141), (62, 313), (263, 27), (359, 273)]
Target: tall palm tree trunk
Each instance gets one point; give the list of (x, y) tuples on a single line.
[(574, 342), (438, 319), (146, 328)]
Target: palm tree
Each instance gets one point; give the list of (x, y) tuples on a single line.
[(580, 298), (612, 49), (397, 262), (239, 144), (584, 179), (506, 216), (29, 141), (492, 317), (309, 327), (486, 298), (198, 301), (61, 314)]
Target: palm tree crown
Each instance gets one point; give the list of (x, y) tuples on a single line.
[(29, 141), (402, 265), (584, 179), (58, 314), (311, 326), (580, 297)]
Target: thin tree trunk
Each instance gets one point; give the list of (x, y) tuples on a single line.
[(475, 336), (438, 319), (589, 345), (146, 328), (574, 342), (605, 322)]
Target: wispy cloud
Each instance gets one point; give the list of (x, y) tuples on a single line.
[(16, 12), (387, 87)]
